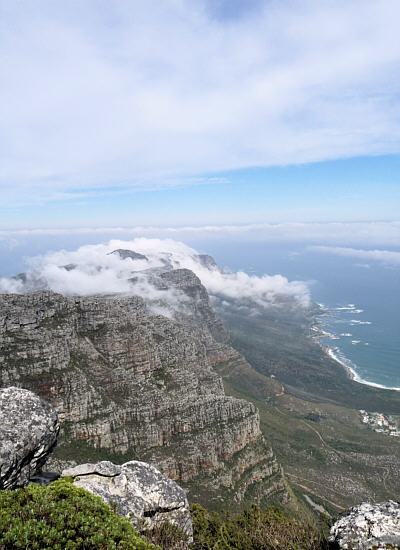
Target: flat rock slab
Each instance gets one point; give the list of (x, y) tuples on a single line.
[(138, 491), (368, 526), (28, 432)]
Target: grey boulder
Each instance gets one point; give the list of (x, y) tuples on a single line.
[(138, 491), (28, 432), (368, 526)]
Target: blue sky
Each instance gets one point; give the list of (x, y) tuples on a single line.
[(357, 189), (198, 112)]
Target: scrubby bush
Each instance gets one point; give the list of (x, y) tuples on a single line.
[(254, 529), (61, 516), (168, 537)]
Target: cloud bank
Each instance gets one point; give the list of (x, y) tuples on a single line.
[(389, 257), (338, 233), (92, 269), (138, 93)]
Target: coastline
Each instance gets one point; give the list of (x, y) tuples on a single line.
[(333, 354), (352, 374)]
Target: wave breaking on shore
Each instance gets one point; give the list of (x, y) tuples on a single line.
[(335, 353), (338, 356)]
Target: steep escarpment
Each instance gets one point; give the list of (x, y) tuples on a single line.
[(130, 383)]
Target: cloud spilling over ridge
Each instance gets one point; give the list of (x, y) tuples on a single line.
[(139, 92), (92, 269), (389, 257)]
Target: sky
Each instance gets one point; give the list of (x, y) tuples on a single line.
[(177, 113)]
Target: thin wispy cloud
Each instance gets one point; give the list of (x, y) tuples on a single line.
[(388, 257), (334, 233), (124, 93)]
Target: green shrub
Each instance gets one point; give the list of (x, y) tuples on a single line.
[(61, 516), (254, 529), (168, 537)]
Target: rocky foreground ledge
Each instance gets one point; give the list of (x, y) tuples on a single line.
[(138, 491), (368, 526), (28, 432)]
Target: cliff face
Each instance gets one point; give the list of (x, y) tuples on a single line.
[(133, 384)]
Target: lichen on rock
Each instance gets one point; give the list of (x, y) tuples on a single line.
[(28, 432), (138, 491), (368, 526)]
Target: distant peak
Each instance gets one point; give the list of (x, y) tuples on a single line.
[(69, 267), (207, 261), (131, 254)]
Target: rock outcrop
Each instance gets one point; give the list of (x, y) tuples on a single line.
[(208, 261), (138, 491), (129, 254), (130, 383), (28, 432), (368, 526)]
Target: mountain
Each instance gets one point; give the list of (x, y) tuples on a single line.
[(130, 383), (131, 254), (154, 373)]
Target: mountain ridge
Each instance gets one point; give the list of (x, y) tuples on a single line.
[(128, 382)]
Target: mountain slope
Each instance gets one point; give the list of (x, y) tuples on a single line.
[(130, 383), (309, 410)]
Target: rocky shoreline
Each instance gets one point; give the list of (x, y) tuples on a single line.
[(317, 333)]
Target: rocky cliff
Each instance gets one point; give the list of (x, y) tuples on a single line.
[(131, 383)]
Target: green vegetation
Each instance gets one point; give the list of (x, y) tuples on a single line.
[(252, 529), (168, 537), (82, 451), (309, 413), (61, 516), (256, 529)]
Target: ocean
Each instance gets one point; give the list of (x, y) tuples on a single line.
[(361, 300)]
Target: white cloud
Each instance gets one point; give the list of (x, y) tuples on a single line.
[(95, 271), (12, 286), (338, 233), (102, 93), (389, 257)]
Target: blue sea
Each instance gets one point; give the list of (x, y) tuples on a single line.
[(361, 301)]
